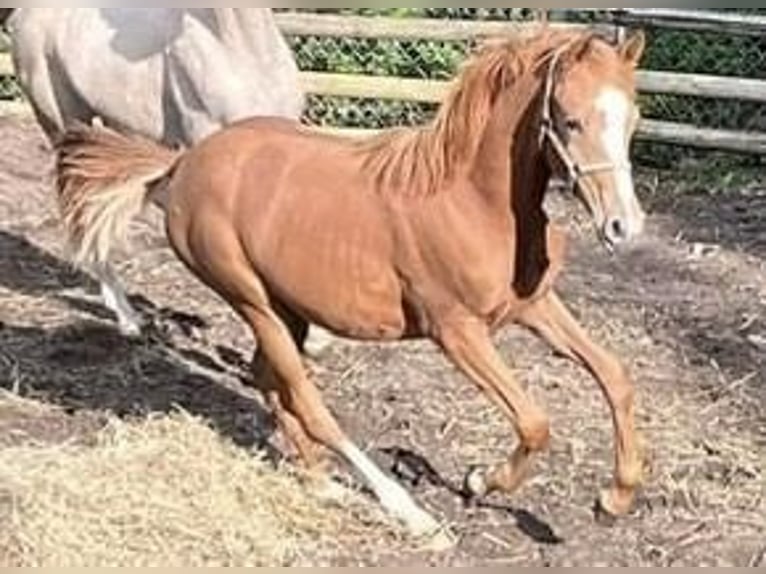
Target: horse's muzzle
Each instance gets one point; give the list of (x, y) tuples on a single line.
[(621, 230)]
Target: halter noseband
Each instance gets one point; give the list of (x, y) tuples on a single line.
[(576, 173)]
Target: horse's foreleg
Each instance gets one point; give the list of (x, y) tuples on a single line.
[(550, 319), (116, 300), (469, 345)]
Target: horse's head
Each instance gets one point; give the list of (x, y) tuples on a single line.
[(589, 117)]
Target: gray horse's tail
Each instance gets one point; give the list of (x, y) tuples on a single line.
[(104, 181)]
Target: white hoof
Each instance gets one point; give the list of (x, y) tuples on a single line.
[(475, 483), (418, 522), (131, 328), (442, 541), (429, 534)]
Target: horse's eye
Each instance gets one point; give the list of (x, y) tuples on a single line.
[(573, 125)]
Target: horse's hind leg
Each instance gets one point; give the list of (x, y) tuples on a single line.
[(214, 253), (291, 427), (300, 396), (112, 290), (54, 102), (116, 299), (553, 322), (273, 390), (55, 106)]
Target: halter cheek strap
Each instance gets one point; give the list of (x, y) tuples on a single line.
[(577, 174)]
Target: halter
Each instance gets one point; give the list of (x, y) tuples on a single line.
[(576, 173)]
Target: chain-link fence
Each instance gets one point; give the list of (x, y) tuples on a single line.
[(9, 88), (668, 50), (383, 57), (707, 53)]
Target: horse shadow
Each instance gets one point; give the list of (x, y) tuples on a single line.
[(88, 366), (28, 270), (414, 469)]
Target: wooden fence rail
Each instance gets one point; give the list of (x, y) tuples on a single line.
[(656, 131), (431, 91), (381, 27), (691, 20), (388, 87), (393, 88)]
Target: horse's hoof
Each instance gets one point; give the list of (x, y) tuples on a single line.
[(426, 532), (602, 516), (612, 505), (475, 483), (440, 541), (132, 330)]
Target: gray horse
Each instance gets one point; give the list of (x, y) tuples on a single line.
[(174, 75)]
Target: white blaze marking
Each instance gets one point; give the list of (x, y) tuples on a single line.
[(617, 111)]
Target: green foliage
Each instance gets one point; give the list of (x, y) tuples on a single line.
[(9, 89), (443, 13), (379, 57)]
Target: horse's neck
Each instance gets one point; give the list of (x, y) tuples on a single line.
[(509, 157), (512, 174), (529, 171), (530, 176)]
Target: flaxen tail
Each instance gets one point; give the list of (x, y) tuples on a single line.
[(105, 180)]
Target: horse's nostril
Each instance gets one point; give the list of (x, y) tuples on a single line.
[(617, 229)]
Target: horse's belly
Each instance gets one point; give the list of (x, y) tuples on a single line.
[(360, 303), (333, 265)]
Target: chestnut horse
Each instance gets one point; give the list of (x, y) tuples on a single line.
[(435, 233)]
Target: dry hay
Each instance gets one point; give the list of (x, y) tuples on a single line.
[(166, 491)]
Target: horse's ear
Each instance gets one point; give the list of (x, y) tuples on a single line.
[(633, 48)]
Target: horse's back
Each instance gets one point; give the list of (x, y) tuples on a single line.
[(300, 217), (268, 166)]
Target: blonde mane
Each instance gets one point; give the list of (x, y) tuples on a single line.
[(418, 161)]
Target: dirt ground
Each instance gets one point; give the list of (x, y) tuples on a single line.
[(686, 310)]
